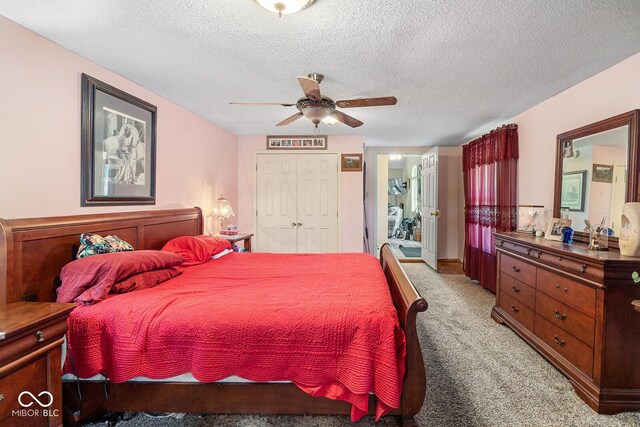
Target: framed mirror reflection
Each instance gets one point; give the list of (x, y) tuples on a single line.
[(596, 173)]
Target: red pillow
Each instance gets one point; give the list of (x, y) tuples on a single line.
[(196, 249), (88, 280), (145, 280)]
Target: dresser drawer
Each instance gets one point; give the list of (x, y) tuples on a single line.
[(520, 270), (575, 351), (518, 290), (576, 323), (32, 378), (567, 291), (520, 312)]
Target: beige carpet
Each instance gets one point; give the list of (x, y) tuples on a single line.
[(479, 373)]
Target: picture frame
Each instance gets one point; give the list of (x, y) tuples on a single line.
[(572, 195), (351, 162), (555, 227), (297, 142), (118, 147), (602, 173)]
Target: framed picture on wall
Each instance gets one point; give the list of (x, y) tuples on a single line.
[(573, 190), (351, 163), (297, 142), (118, 145), (602, 173)]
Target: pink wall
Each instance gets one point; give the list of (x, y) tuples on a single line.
[(611, 92), (351, 188), (40, 135)]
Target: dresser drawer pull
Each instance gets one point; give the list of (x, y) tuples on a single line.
[(558, 341), (516, 269), (559, 258), (539, 254), (515, 290), (560, 316), (39, 336), (557, 285), (501, 243), (529, 251), (583, 268), (1, 397), (515, 309)]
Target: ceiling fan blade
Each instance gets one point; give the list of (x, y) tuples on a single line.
[(310, 87), (291, 119), (367, 102), (346, 119), (262, 103)]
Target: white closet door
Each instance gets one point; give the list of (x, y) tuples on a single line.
[(317, 203), (276, 222)]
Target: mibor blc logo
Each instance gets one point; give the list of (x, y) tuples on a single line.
[(35, 406)]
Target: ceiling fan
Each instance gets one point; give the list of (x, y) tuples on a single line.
[(319, 108)]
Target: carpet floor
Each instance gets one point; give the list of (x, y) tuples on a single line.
[(479, 373)]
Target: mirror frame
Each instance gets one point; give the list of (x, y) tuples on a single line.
[(631, 119)]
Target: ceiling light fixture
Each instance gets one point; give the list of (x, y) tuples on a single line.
[(395, 157), (285, 6), (330, 120)]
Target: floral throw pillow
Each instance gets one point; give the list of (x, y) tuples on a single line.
[(94, 244)]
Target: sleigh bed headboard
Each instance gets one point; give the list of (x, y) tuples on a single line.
[(34, 250)]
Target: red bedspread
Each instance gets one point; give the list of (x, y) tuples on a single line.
[(325, 322)]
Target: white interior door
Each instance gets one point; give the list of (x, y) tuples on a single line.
[(430, 212), (276, 214), (317, 203)]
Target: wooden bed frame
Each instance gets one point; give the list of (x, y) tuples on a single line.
[(33, 251)]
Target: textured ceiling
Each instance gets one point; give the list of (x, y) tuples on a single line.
[(456, 66)]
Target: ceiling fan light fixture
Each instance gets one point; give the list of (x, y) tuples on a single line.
[(286, 7), (329, 120)]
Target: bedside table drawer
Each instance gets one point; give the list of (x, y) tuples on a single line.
[(32, 340), (32, 378)]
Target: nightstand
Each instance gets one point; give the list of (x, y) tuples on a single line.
[(239, 237), (31, 338)]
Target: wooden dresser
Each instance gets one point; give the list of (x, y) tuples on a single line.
[(31, 337), (574, 307)]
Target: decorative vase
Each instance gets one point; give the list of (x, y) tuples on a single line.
[(630, 230)]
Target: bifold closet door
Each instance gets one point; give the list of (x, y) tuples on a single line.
[(276, 193), (317, 203)]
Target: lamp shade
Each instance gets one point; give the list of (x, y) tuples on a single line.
[(285, 6), (222, 209)]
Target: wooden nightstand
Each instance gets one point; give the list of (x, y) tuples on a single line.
[(238, 238), (31, 337)]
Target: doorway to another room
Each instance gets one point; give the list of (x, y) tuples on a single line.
[(403, 188)]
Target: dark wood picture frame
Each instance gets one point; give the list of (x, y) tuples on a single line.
[(631, 119), (127, 143), (602, 173), (581, 178), (297, 142), (351, 162)]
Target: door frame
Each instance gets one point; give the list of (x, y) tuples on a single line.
[(375, 152), (254, 197)]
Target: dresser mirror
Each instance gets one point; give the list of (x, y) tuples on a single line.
[(596, 173)]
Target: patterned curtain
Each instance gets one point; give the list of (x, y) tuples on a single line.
[(490, 168)]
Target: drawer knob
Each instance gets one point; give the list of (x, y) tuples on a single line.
[(516, 269), (559, 258), (39, 336), (515, 290), (501, 243), (539, 254), (529, 251), (566, 289), (560, 316), (515, 309), (583, 268), (1, 397), (558, 341), (557, 285)]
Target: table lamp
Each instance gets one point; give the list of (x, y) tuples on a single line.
[(222, 210)]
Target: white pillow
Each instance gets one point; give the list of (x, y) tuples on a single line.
[(221, 254)]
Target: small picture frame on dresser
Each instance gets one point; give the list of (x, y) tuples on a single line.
[(554, 229)]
